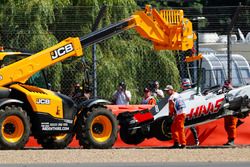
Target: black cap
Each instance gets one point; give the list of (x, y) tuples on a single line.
[(122, 83)]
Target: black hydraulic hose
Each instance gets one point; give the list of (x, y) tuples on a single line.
[(24, 51)]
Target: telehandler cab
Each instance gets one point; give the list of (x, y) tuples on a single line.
[(53, 118)]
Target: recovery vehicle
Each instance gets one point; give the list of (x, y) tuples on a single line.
[(53, 118)]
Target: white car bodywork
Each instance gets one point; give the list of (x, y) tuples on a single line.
[(200, 105)]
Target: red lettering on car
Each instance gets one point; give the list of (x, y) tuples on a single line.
[(217, 105), (203, 110), (210, 108), (196, 114), (190, 115)]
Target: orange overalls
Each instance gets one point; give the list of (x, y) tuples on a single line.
[(149, 100), (152, 101), (177, 127), (230, 123)]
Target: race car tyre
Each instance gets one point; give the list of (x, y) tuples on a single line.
[(161, 130), (15, 128), (60, 141), (128, 138), (97, 129)]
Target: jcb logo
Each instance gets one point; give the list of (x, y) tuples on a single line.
[(61, 51), (43, 101)]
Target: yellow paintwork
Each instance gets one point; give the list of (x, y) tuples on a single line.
[(22, 70), (3, 54), (193, 58), (168, 30), (54, 108), (18, 126), (61, 136)]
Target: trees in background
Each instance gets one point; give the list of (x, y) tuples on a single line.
[(26, 25), (36, 25)]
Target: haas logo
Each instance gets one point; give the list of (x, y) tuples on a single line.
[(211, 108), (61, 51)]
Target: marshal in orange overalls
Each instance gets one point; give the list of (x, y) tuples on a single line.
[(230, 123), (177, 127)]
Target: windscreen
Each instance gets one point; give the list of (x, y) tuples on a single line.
[(38, 80), (10, 59)]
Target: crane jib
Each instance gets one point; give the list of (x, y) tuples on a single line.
[(105, 33)]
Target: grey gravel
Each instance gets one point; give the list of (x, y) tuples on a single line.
[(38, 156)]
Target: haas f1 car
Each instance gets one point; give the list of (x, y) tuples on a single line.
[(200, 108)]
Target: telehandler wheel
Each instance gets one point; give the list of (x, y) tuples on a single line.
[(60, 141), (128, 138), (15, 128), (161, 130), (97, 129)]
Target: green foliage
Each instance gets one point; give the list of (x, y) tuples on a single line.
[(36, 25), (28, 18), (136, 64), (130, 58), (25, 24)]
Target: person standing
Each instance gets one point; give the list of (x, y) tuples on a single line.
[(230, 121), (176, 106), (230, 124), (148, 98), (186, 84), (157, 92), (122, 96)]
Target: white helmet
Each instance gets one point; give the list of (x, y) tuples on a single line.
[(185, 83)]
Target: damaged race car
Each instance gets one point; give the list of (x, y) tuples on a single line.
[(201, 108)]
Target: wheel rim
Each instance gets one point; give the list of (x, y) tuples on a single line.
[(163, 125), (12, 129), (101, 128)]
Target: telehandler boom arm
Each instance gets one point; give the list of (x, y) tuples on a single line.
[(168, 30)]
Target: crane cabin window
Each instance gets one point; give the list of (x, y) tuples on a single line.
[(11, 58), (38, 79)]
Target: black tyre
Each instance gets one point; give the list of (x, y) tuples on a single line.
[(15, 128), (55, 142), (97, 129), (161, 130), (128, 138)]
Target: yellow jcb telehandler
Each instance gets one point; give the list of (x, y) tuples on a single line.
[(53, 118)]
